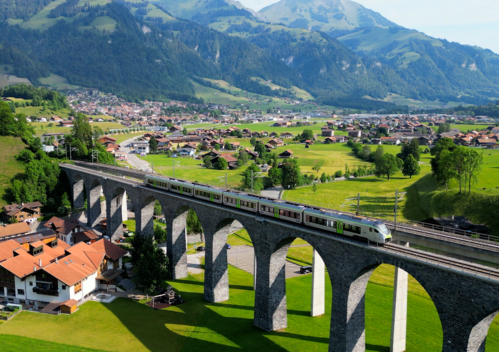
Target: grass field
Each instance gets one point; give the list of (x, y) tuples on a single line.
[(10, 147), (254, 101), (123, 137), (56, 82), (227, 325), (42, 127)]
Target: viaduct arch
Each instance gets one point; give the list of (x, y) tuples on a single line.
[(465, 316)]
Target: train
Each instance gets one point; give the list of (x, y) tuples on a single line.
[(358, 227)]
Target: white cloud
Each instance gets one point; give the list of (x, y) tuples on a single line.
[(467, 22)]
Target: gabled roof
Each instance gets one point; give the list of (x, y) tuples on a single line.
[(14, 229), (112, 251)]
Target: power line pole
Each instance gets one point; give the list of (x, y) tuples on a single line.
[(226, 181), (251, 181), (358, 203), (395, 210), (173, 162)]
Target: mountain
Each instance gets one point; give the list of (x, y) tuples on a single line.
[(324, 15)]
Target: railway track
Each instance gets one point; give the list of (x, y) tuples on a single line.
[(452, 263), (416, 230)]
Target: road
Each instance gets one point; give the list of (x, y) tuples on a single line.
[(133, 160)]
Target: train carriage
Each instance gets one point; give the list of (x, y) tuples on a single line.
[(281, 210), (241, 201), (208, 193), (157, 182), (181, 187)]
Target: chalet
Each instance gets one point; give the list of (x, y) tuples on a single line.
[(275, 143), (390, 140), (309, 142), (175, 129), (330, 140), (186, 151), (85, 236), (327, 131), (424, 140), (287, 135), (65, 228), (251, 153), (105, 140), (376, 141), (229, 158), (54, 277), (24, 212), (66, 124), (354, 133), (486, 142), (287, 154), (56, 118), (235, 145), (273, 135)]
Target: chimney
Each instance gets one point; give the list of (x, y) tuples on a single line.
[(40, 263), (56, 260), (34, 268)]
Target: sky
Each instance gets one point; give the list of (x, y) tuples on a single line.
[(467, 22)]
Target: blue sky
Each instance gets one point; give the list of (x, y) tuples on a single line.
[(467, 22)]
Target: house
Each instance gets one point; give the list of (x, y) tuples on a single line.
[(354, 133), (287, 135), (309, 142), (251, 153), (235, 145), (229, 158), (486, 142), (51, 277), (56, 118), (327, 131), (65, 229), (85, 236), (330, 140), (28, 212), (13, 230), (340, 139), (106, 140), (287, 154), (66, 123), (275, 143), (390, 140), (186, 151), (376, 141), (175, 129), (141, 147)]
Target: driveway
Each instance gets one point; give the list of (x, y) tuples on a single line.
[(133, 160)]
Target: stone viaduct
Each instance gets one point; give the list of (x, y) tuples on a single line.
[(466, 304)]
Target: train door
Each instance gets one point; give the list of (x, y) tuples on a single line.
[(238, 203), (339, 227), (181, 188), (276, 212), (211, 197)]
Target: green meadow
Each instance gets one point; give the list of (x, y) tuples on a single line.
[(10, 147), (225, 326)]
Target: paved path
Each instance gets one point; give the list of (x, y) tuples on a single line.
[(133, 160), (243, 257), (194, 263), (274, 192)]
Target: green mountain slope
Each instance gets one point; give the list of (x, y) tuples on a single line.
[(324, 15)]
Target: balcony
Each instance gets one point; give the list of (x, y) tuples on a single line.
[(48, 292)]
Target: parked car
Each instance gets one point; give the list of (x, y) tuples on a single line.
[(306, 269), (200, 249), (228, 246)]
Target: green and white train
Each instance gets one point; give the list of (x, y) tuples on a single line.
[(358, 227)]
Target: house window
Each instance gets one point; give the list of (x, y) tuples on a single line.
[(78, 287), (63, 287), (31, 283), (20, 291)]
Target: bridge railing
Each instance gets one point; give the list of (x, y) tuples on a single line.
[(448, 230), (446, 260)]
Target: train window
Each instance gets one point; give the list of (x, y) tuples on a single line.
[(307, 218), (151, 182), (216, 197), (376, 231), (186, 190)]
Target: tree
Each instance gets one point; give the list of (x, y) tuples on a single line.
[(459, 158), (7, 121), (243, 157), (217, 146), (207, 162), (253, 141), (97, 133), (380, 151), (157, 208), (314, 187), (316, 168), (365, 153), (153, 144), (275, 175), (443, 168), (65, 207), (82, 131), (227, 145), (387, 165), (410, 149), (221, 164), (323, 177), (184, 132), (411, 166), (473, 166), (257, 181), (307, 135), (193, 223), (291, 176), (150, 264), (159, 233)]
